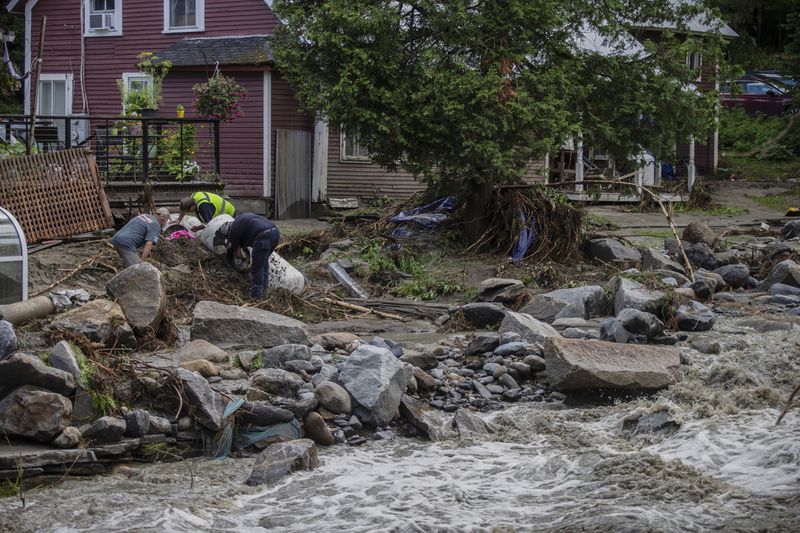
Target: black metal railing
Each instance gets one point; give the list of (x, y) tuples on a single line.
[(126, 149)]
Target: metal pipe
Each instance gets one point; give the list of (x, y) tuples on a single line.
[(20, 312)]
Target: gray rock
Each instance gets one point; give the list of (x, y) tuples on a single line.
[(549, 308), (728, 257), (326, 373), (632, 294), (791, 229), (612, 330), (483, 314), (528, 327), (701, 255), (298, 366), (511, 348), (427, 382), (702, 289), (704, 345), (481, 389), (142, 293), (33, 413), (694, 316), (655, 260), (99, 321), (469, 424), (208, 404), (715, 280), (387, 344), (137, 423), (587, 364), (64, 357), (277, 381), (200, 349), (536, 363), (779, 289), (699, 232), (280, 355), (315, 428), (333, 397), (233, 374), (500, 290), (230, 324), (659, 424), (574, 333), (262, 414), (335, 340), (8, 339), (105, 429), (376, 380), (671, 246), (281, 459), (159, 426), (734, 275), (23, 369), (300, 408), (425, 360), (482, 343), (611, 251), (420, 416), (69, 438), (384, 435), (786, 273), (508, 382), (641, 323), (784, 299), (590, 301)]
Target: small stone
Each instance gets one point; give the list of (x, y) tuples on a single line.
[(333, 397), (64, 357), (507, 381), (69, 438), (536, 363), (511, 348), (317, 430), (384, 435), (137, 423), (203, 367), (8, 339), (482, 343), (106, 429), (159, 426)]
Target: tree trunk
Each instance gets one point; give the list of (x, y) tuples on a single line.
[(476, 220)]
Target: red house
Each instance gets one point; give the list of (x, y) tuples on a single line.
[(91, 44)]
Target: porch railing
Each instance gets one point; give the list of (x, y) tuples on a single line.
[(126, 149)]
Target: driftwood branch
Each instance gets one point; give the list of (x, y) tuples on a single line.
[(360, 308)]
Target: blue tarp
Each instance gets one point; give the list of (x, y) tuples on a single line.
[(245, 436), (428, 216), (527, 236)]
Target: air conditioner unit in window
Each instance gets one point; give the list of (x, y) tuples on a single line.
[(102, 21)]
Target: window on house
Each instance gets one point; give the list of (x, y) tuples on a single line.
[(135, 81), (103, 17), (351, 150), (54, 97), (694, 61), (183, 15)]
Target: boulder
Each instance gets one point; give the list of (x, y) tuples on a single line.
[(315, 428), (641, 323), (99, 321), (64, 356), (205, 368), (229, 324), (201, 349), (655, 260), (335, 340), (137, 423), (612, 330), (425, 360), (23, 369), (159, 426), (790, 230), (208, 404), (33, 413), (333, 397), (394, 347), (420, 415), (482, 343), (779, 289), (280, 355), (694, 316), (530, 329), (659, 425), (702, 289), (786, 273), (549, 309), (671, 246), (376, 380), (262, 415), (68, 439), (591, 301), (715, 280), (535, 363), (699, 232), (735, 275), (277, 381), (511, 348), (424, 380), (500, 290), (326, 373), (281, 459), (630, 294), (483, 314), (8, 339), (105, 429), (611, 251), (588, 364), (142, 293), (701, 255), (469, 424)]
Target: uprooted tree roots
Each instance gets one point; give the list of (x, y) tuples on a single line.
[(556, 225)]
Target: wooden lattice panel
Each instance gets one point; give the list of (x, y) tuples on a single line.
[(54, 195)]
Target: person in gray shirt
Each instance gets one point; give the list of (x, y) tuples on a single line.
[(143, 230)]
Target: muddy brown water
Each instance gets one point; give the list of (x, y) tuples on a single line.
[(548, 468)]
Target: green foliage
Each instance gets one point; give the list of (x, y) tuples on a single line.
[(103, 403), (12, 150), (465, 94), (714, 210), (180, 165), (780, 202), (85, 366), (739, 132), (157, 69), (258, 360)]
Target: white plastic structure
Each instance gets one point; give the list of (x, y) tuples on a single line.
[(13, 260), (281, 273), (188, 221)]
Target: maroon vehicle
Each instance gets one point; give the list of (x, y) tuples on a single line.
[(756, 96)]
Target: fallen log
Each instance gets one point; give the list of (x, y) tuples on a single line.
[(360, 308)]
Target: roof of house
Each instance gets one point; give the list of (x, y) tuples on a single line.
[(702, 23), (249, 50)]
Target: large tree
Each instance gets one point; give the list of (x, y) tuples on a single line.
[(464, 93)]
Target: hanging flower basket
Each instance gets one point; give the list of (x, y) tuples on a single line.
[(220, 97)]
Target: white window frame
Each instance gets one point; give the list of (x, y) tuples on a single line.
[(694, 60), (67, 79), (116, 32), (128, 77), (351, 158), (200, 8)]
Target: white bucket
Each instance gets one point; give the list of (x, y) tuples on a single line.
[(281, 274), (188, 221)]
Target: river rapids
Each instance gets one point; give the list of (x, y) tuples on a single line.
[(547, 467)]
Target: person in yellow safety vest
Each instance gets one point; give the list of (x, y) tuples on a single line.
[(206, 206)]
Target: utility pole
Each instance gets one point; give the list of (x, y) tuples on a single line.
[(35, 86)]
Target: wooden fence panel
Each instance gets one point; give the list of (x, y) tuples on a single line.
[(54, 195)]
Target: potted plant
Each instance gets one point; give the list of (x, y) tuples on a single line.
[(152, 65), (220, 98), (180, 112)]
